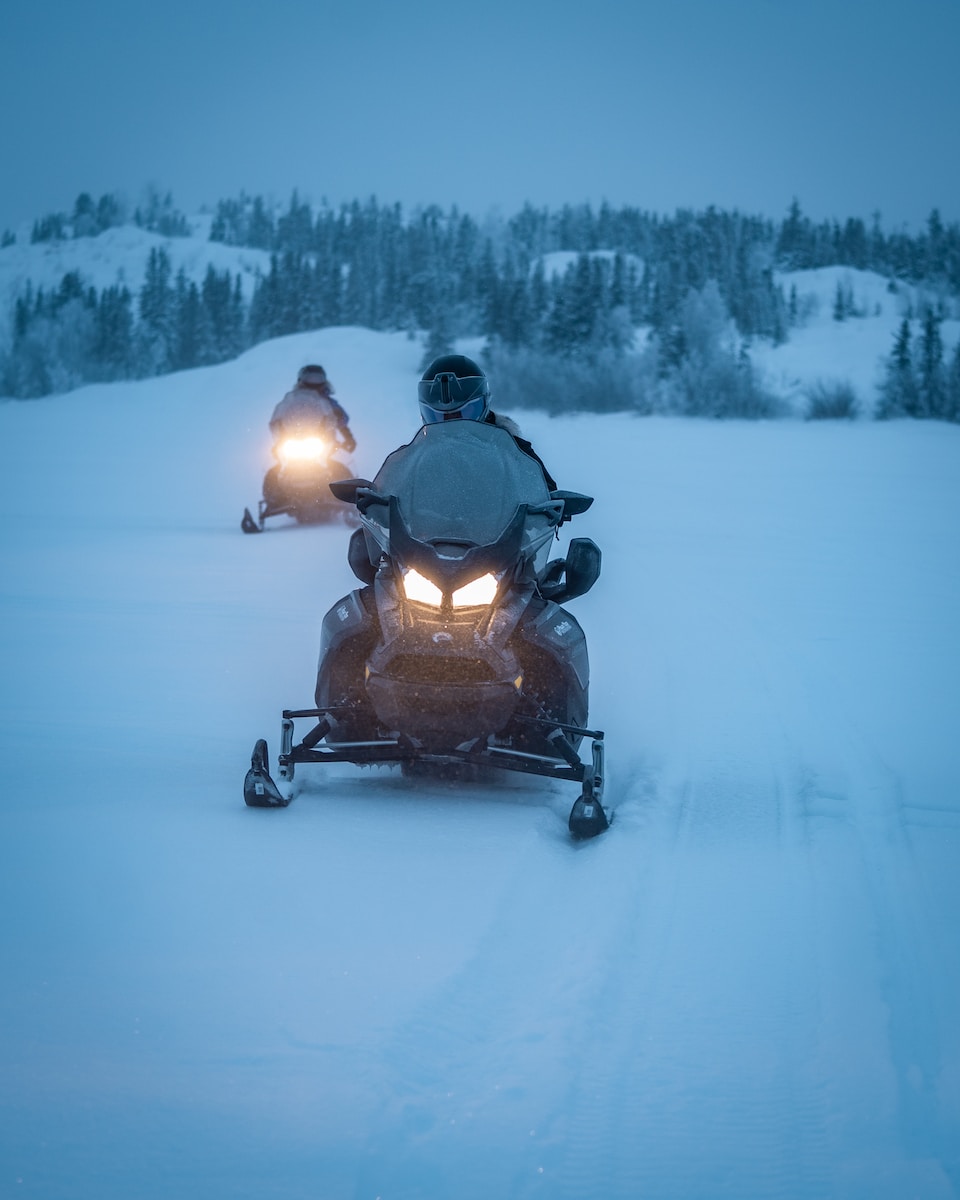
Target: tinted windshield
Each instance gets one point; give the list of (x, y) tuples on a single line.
[(461, 481)]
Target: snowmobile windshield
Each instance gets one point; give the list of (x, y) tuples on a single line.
[(461, 482)]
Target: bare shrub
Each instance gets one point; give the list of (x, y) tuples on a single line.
[(831, 401)]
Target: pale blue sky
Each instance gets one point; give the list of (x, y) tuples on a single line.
[(853, 106)]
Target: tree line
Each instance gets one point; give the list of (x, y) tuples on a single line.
[(77, 334), (702, 283)]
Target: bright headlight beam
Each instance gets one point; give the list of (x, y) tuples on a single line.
[(418, 588), (476, 592), (308, 449)]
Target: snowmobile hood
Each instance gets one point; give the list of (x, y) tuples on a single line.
[(465, 563)]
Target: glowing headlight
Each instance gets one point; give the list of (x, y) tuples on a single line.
[(477, 591), (308, 449), (416, 587)]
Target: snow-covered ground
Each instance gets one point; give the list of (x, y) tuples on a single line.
[(748, 988)]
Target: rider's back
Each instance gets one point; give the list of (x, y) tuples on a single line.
[(302, 408)]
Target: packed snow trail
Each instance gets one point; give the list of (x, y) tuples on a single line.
[(748, 987)]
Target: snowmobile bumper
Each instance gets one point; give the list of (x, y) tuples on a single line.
[(587, 817)]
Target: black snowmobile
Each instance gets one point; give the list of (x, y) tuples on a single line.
[(298, 483), (456, 650)]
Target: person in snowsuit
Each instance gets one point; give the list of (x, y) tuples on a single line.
[(308, 406), (454, 388), (311, 400)]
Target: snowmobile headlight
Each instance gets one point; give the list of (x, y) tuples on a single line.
[(478, 591), (306, 449), (417, 587)]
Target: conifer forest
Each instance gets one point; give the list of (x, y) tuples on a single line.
[(559, 330)]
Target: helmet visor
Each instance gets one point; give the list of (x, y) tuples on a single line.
[(447, 396), (472, 410)]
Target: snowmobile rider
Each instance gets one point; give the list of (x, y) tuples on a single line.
[(454, 388), (311, 400)]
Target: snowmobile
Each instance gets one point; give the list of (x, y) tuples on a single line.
[(456, 651), (297, 484)]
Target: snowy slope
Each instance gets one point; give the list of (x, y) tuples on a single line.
[(748, 988), (119, 256), (822, 350)]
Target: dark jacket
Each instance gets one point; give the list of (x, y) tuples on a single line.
[(513, 429)]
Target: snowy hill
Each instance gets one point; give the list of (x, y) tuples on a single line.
[(119, 256), (853, 350), (747, 988), (819, 350)]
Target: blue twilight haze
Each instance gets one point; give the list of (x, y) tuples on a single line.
[(851, 108)]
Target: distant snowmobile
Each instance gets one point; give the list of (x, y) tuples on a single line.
[(298, 483), (456, 649)]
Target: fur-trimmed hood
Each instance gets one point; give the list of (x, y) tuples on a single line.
[(506, 423)]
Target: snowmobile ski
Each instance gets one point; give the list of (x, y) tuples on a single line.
[(259, 790), (248, 524), (587, 818)]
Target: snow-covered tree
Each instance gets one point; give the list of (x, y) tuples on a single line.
[(157, 308), (899, 392), (932, 378)]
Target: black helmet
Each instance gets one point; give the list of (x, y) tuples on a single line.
[(312, 376), (453, 388)]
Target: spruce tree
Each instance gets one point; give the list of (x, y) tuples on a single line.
[(839, 303), (112, 351), (932, 380), (84, 219), (157, 303), (109, 212), (952, 410), (899, 393), (260, 230)]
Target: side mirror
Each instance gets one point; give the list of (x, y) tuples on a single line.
[(580, 570), (346, 489), (573, 503), (583, 566)]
